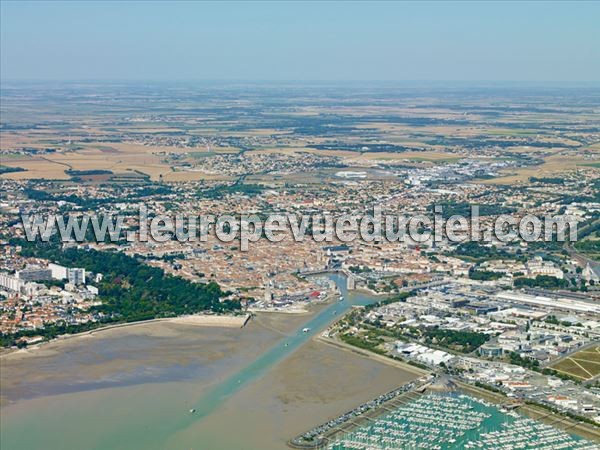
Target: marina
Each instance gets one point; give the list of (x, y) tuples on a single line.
[(184, 417), (317, 436), (448, 421)]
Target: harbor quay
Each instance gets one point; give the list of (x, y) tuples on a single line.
[(319, 436), (438, 412)]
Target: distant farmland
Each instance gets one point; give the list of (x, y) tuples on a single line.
[(584, 364)]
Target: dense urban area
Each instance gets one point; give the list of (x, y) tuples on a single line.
[(519, 319)]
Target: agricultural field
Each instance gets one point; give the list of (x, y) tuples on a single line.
[(583, 365), (551, 165), (208, 138)]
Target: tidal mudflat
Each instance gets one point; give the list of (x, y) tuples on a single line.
[(134, 387), (137, 354), (316, 383)]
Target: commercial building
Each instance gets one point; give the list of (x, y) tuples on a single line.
[(489, 350), (34, 273), (561, 303), (76, 276), (10, 282), (58, 272)]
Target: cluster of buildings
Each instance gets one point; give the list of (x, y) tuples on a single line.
[(21, 279), (423, 354), (399, 187), (521, 383), (262, 163), (511, 328), (40, 295), (459, 172)]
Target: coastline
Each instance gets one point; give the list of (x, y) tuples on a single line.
[(154, 351), (204, 320), (535, 412), (201, 328), (315, 384), (530, 410), (304, 309), (175, 362), (373, 356), (201, 320)]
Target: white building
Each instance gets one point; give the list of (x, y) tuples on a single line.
[(76, 276), (10, 282), (561, 303), (435, 357), (268, 292), (93, 290), (58, 272), (588, 274), (537, 266)]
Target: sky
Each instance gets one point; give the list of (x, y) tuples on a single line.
[(300, 41)]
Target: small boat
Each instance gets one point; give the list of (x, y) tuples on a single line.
[(305, 330), (341, 298), (192, 410), (286, 344)]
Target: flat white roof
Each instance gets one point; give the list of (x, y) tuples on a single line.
[(554, 303)]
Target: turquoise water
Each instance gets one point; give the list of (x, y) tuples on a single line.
[(283, 349), (219, 393), (151, 416), (455, 422)]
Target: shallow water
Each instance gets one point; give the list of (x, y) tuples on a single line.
[(456, 422), (148, 407)]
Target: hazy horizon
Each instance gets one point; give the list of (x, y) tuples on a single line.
[(545, 42)]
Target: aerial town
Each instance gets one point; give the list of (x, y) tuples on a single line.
[(518, 319), (299, 225)]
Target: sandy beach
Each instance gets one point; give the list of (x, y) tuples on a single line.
[(158, 350), (121, 354), (114, 386), (207, 320)]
